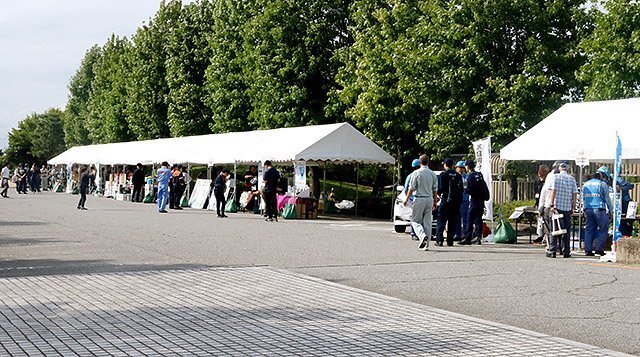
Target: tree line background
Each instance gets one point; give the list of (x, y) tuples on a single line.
[(414, 76)]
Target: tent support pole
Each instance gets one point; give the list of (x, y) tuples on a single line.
[(324, 179), (356, 205), (235, 180), (188, 183), (573, 243)]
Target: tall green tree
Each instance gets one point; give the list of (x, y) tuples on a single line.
[(146, 84), (76, 111), (48, 137), (19, 145), (37, 138), (290, 47), (106, 119), (370, 77), (226, 83), (497, 67), (612, 70), (188, 58)]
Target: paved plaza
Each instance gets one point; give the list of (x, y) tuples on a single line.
[(240, 311), (122, 279)]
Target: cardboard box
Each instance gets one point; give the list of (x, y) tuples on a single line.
[(300, 208)]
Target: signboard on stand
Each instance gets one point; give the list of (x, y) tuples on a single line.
[(201, 191), (300, 170)]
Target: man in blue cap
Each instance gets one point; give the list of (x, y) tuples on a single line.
[(450, 191), (478, 193), (464, 206), (623, 186), (596, 202)]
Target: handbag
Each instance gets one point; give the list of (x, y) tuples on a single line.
[(504, 233)]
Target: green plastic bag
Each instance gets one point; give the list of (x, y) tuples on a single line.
[(148, 198), (289, 211), (185, 201), (231, 206), (504, 233), (74, 191), (59, 188)]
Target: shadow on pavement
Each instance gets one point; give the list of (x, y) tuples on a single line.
[(22, 223), (40, 267)]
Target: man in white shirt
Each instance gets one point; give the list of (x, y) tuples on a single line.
[(5, 181)]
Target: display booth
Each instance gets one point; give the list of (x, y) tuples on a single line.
[(300, 147), (583, 132)]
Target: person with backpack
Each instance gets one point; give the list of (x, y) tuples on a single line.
[(478, 193), (450, 190)]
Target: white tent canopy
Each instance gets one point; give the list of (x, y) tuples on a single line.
[(318, 143), (585, 129)]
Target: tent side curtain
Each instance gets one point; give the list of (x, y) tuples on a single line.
[(332, 142), (585, 129)]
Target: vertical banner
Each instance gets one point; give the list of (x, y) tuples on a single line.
[(260, 175), (482, 149), (300, 169), (69, 187), (617, 207)]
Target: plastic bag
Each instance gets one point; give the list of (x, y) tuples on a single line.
[(504, 233), (231, 206), (289, 211), (148, 198)]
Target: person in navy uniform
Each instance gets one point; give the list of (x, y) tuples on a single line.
[(478, 193), (464, 206), (623, 186), (450, 191)]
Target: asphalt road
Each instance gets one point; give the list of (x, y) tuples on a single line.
[(577, 299)]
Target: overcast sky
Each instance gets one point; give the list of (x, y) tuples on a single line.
[(42, 43)]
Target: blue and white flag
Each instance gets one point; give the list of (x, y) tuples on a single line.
[(617, 210)]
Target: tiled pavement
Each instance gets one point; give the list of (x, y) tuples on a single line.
[(240, 311)]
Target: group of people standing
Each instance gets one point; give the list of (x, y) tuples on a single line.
[(172, 182), (34, 179), (556, 196), (457, 195)]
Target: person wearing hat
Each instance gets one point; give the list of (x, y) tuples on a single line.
[(623, 186), (478, 193), (564, 192), (415, 164), (596, 202), (450, 191), (424, 184), (464, 206)]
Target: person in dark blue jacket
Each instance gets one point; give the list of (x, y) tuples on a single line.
[(450, 190), (219, 191), (84, 187), (478, 194)]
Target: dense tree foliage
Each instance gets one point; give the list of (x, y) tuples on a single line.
[(77, 110), (106, 119), (188, 58), (612, 70), (414, 76), (37, 138)]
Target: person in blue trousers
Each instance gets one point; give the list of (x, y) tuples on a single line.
[(164, 175), (595, 196), (464, 206)]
